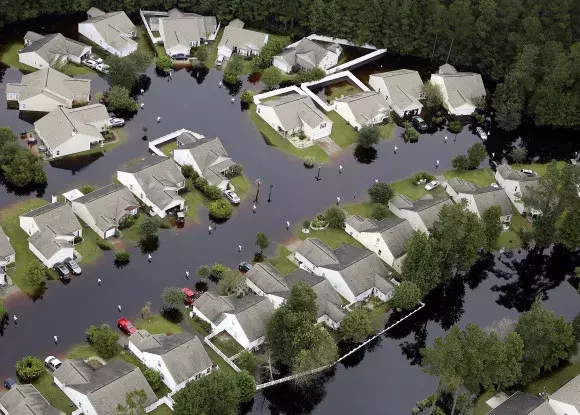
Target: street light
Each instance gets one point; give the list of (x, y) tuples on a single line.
[(318, 174), (270, 193)]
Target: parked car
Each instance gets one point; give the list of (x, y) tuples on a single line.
[(116, 122), (179, 57), (102, 67), (73, 266), (42, 149), (219, 61), (432, 185), (9, 383), (232, 197), (126, 326), (95, 58), (190, 295), (90, 63), (495, 186), (481, 133), (244, 266), (52, 363), (420, 124), (528, 172), (62, 271)]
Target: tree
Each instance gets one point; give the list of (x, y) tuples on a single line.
[(380, 211), (302, 300), (356, 326), (433, 96), (153, 377), (29, 368), (219, 270), (335, 217), (368, 136), (422, 263), (216, 393), (246, 386), (122, 72), (232, 283), (406, 295), (271, 77), (146, 311), (3, 311), (230, 78), (201, 54), (569, 231), (460, 162), (213, 192), (247, 97), (235, 65), (508, 102), (220, 210), (19, 166), (118, 99), (576, 327), (187, 171), (235, 171), (172, 296), (7, 136), (262, 241), (135, 403), (519, 154), (320, 351), (122, 257), (247, 361), (203, 271), (36, 276), (547, 341), (455, 127), (381, 193), (140, 60), (103, 339), (411, 135), (148, 228), (476, 154), (492, 227)]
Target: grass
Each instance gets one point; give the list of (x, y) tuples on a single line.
[(88, 247), (537, 167), (364, 209), (143, 42), (168, 147), (241, 184), (53, 394), (199, 329), (212, 50), (555, 379), (19, 240), (194, 200), (81, 351), (157, 325), (340, 89), (131, 233), (342, 132), (281, 262), (160, 50), (481, 408), (161, 410), (217, 360), (479, 177), (386, 130), (10, 57), (72, 69), (413, 191), (333, 238), (276, 140), (511, 239), (227, 344)]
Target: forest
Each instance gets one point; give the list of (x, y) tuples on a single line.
[(529, 48)]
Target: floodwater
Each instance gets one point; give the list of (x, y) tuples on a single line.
[(386, 380)]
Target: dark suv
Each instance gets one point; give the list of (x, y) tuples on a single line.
[(420, 124), (62, 271), (179, 57)]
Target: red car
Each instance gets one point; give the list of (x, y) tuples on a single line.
[(190, 295), (126, 326)]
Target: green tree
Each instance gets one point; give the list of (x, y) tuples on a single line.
[(380, 211), (135, 403), (201, 54), (455, 127), (433, 96), (422, 263), (148, 228), (547, 341), (271, 77), (247, 361), (232, 283), (29, 368), (246, 386), (219, 270), (164, 63), (36, 276), (216, 393), (492, 227), (187, 171), (356, 326), (262, 241), (410, 134), (122, 257), (154, 378), (118, 99), (335, 217), (569, 231), (172, 297), (476, 154), (508, 102), (247, 97), (519, 154), (321, 351), (140, 60), (576, 327), (235, 65), (302, 300), (381, 193), (368, 136), (203, 271), (146, 311), (230, 78), (21, 167), (407, 295), (220, 209), (460, 162), (122, 72), (103, 339), (3, 311), (7, 136)]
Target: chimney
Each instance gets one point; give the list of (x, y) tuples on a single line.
[(54, 198)]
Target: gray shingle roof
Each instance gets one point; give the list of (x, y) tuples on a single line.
[(52, 83), (427, 208), (317, 252), (108, 205), (508, 173), (181, 29), (365, 105), (59, 216), (569, 393), (6, 248), (52, 47), (186, 137), (447, 68), (462, 87), (235, 36), (47, 241), (267, 278), (114, 28), (404, 87), (211, 157), (33, 36), (518, 404), (307, 53), (26, 400), (484, 197), (294, 110)]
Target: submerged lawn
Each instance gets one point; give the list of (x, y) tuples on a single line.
[(333, 238), (281, 262)]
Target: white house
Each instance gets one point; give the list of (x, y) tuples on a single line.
[(402, 89), (388, 238), (181, 31), (208, 158), (422, 213), (354, 273), (99, 391), (462, 91), (244, 318), (307, 55), (265, 280), (105, 208), (180, 357), (156, 181), (68, 131), (26, 400), (46, 90), (236, 39), (44, 51), (113, 31), (7, 255), (362, 109), (294, 114), (52, 229), (479, 199), (517, 185)]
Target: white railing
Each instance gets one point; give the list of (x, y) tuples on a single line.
[(258, 98), (358, 61), (229, 361), (153, 144), (330, 78)]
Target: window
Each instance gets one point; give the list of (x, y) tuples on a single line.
[(323, 125), (421, 95), (12, 96), (192, 43)]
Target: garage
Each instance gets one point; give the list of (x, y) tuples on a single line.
[(109, 233)]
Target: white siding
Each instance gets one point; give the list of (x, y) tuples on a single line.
[(343, 109), (88, 30), (42, 103), (33, 59), (373, 241), (224, 51), (282, 64), (413, 218), (75, 144), (28, 224), (320, 131), (61, 255)]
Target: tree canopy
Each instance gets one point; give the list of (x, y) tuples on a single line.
[(406, 295), (356, 326), (103, 339), (19, 166)]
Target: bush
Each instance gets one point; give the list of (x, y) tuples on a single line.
[(118, 99), (164, 63), (201, 53), (200, 184), (461, 162), (153, 378), (476, 154), (422, 175), (218, 270), (335, 217), (29, 368), (213, 192), (3, 311), (309, 162), (368, 136), (127, 221), (262, 241), (319, 221), (247, 361), (172, 296), (36, 276), (87, 188), (104, 340), (380, 211), (411, 135), (235, 171), (247, 96), (220, 209), (148, 228), (306, 224), (122, 257), (271, 77), (187, 171), (104, 244), (455, 127), (380, 193), (205, 326), (230, 78)]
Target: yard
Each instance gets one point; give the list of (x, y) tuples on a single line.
[(386, 130), (198, 326), (53, 394), (157, 325), (161, 410), (340, 89), (72, 69), (364, 209), (511, 239), (194, 200), (88, 248), (537, 167), (413, 191), (274, 139), (342, 132), (281, 262), (168, 147), (227, 344), (377, 312), (241, 184), (479, 177), (10, 57), (331, 237), (212, 50)]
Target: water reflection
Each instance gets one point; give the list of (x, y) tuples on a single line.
[(365, 155), (199, 73), (75, 163)]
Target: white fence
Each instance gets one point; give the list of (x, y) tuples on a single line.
[(258, 98), (358, 61), (153, 144), (144, 14), (339, 41), (330, 78), (166, 400), (229, 361)]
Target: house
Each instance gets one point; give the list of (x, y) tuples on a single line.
[(236, 39), (402, 89), (362, 109), (208, 158), (185, 137), (265, 280), (422, 213), (388, 238), (517, 185), (48, 89), (462, 91), (113, 31), (565, 401), (179, 357), (26, 400), (99, 391), (182, 31), (307, 55), (105, 208), (244, 318), (51, 51), (7, 255), (294, 114), (67, 131), (479, 199), (355, 273), (156, 181), (52, 229)]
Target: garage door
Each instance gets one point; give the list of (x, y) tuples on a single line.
[(109, 233)]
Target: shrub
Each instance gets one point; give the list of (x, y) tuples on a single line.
[(461, 162), (103, 339), (29, 368), (205, 326), (187, 171), (127, 221), (309, 162), (203, 271), (230, 78), (148, 228), (247, 361), (235, 171), (87, 188), (455, 127), (104, 244), (3, 311), (380, 211), (172, 296), (335, 217), (262, 241), (368, 136), (200, 184), (122, 257), (380, 193), (220, 209), (218, 270), (153, 378), (422, 175), (306, 224), (164, 63), (247, 96), (36, 276), (411, 135), (476, 154), (271, 77), (213, 192), (201, 53)]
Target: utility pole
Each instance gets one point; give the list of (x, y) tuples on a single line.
[(449, 53)]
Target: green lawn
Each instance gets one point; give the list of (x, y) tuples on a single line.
[(53, 394), (199, 328), (226, 344), (161, 410), (10, 57), (342, 132), (481, 408), (537, 167), (281, 262), (157, 325), (212, 50), (72, 69), (168, 147), (194, 200), (555, 379), (81, 351), (131, 234), (510, 239), (241, 184), (276, 140), (364, 209), (479, 177), (88, 247), (143, 42), (331, 237), (413, 191), (217, 360), (339, 89), (387, 130)]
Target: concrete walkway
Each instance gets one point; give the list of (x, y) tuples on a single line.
[(329, 146)]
